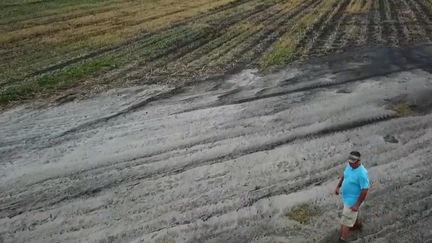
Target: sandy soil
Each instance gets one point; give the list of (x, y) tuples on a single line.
[(227, 160)]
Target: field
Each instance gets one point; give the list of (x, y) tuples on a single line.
[(208, 121), (248, 158), (54, 48)]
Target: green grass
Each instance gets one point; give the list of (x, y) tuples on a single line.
[(280, 55), (51, 83)]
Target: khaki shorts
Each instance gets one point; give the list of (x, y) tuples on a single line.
[(349, 217)]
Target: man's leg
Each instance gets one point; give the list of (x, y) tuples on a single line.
[(344, 232), (358, 225), (348, 220)]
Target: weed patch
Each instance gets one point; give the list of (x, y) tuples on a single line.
[(402, 109), (304, 213)]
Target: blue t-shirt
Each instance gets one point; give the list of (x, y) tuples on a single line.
[(354, 181)]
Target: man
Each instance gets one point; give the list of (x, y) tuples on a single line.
[(355, 185)]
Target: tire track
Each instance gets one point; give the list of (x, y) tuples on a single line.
[(184, 146), (413, 210), (285, 186), (308, 88), (275, 188), (11, 209), (91, 124), (130, 109), (165, 203), (130, 162), (319, 86)]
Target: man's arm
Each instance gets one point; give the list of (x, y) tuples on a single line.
[(339, 184), (362, 197)]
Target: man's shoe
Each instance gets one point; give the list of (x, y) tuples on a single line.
[(342, 241)]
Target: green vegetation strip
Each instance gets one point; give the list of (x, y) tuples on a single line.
[(50, 83)]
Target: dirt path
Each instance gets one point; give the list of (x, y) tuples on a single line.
[(244, 159)]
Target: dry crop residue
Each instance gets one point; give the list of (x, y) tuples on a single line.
[(72, 44)]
